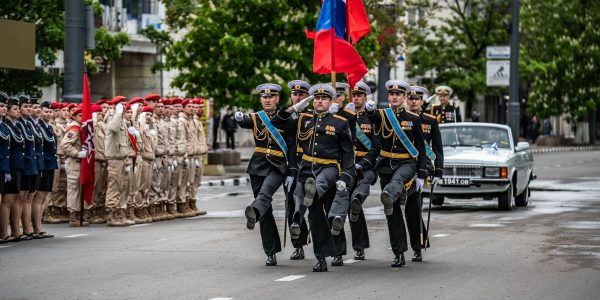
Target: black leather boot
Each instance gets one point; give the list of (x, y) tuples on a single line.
[(398, 261), (298, 254), (250, 217), (337, 261), (271, 260), (360, 255), (417, 256), (321, 266)]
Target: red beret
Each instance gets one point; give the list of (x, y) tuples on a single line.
[(76, 111), (55, 105), (118, 99), (165, 101), (96, 108), (200, 101), (175, 101), (101, 101), (152, 97), (187, 102), (147, 109), (71, 105), (136, 100)]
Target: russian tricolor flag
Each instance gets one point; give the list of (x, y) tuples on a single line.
[(334, 51)]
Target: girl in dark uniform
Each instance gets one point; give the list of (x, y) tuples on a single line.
[(12, 179), (47, 163), (4, 168)]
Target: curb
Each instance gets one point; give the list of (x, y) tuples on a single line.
[(564, 149), (227, 182)]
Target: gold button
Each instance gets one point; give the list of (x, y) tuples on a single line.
[(317, 134), (316, 144), (314, 153)]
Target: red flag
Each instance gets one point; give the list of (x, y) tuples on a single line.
[(358, 21), (86, 177)]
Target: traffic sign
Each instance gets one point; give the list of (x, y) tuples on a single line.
[(497, 72), (497, 52)]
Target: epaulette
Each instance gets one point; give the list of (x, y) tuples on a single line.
[(412, 113), (306, 115), (350, 112), (429, 116), (341, 118)]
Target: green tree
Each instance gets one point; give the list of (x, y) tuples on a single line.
[(560, 56), (225, 48), (456, 50)]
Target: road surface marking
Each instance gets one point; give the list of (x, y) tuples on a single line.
[(351, 261), (290, 278), (440, 235), (558, 166), (7, 246), (140, 225), (75, 235), (489, 225), (220, 298)]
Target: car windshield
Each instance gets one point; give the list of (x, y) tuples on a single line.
[(474, 136)]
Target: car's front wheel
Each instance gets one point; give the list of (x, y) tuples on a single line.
[(523, 199), (505, 200), (437, 200)]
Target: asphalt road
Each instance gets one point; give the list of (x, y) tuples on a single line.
[(549, 250)]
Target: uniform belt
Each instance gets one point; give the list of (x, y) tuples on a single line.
[(269, 151), (394, 155), (323, 161), (361, 153)]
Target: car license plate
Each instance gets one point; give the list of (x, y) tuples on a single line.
[(456, 181)]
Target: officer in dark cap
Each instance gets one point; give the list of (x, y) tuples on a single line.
[(366, 146), (434, 158), (328, 161), (273, 160), (445, 112), (399, 159)]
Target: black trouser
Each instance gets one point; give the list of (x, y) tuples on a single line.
[(394, 185), (332, 197), (263, 188), (360, 234), (414, 219), (230, 139), (323, 244), (303, 239)]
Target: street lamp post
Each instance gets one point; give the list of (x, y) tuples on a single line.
[(514, 107)]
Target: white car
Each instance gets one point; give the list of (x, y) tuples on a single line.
[(481, 161)]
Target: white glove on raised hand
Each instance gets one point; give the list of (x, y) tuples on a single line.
[(135, 106), (119, 108), (340, 185), (81, 154), (370, 106), (350, 106), (334, 108), (436, 181), (420, 183), (133, 131), (239, 116), (289, 180), (7, 177), (302, 104)]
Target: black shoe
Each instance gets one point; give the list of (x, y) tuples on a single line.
[(321, 266), (271, 260), (355, 208), (398, 261), (337, 261), (295, 231), (388, 203), (250, 217), (417, 256), (337, 225), (360, 255), (310, 188), (298, 254)]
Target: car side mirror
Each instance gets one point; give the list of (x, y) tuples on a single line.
[(522, 146)]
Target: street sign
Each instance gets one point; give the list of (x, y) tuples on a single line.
[(497, 52), (497, 72)]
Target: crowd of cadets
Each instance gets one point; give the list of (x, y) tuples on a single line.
[(328, 157), (148, 162)]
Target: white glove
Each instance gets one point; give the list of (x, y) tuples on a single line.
[(436, 181), (146, 127), (340, 185), (127, 169), (154, 166), (81, 154), (7, 177), (174, 165), (152, 132), (61, 166), (334, 108), (239, 116), (420, 183), (350, 106), (288, 182), (302, 104), (119, 108), (186, 162), (197, 163), (133, 131), (358, 167), (135, 106), (370, 106), (95, 115)]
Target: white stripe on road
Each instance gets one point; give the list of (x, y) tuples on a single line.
[(140, 225), (75, 235), (290, 278), (220, 298), (7, 246), (350, 261), (439, 235), (489, 225)]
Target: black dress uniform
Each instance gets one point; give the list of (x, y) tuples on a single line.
[(16, 154), (447, 113), (397, 166), (328, 157), (49, 159), (268, 169), (29, 178), (412, 210), (4, 146)]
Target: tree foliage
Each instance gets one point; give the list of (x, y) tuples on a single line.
[(226, 48), (560, 56), (455, 51)]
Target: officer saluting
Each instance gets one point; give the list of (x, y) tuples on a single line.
[(328, 159), (445, 112), (401, 147), (273, 160), (434, 158)]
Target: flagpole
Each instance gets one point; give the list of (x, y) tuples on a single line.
[(333, 75), (83, 133)]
